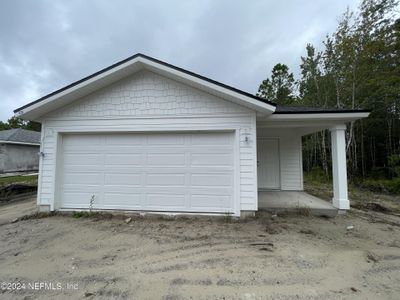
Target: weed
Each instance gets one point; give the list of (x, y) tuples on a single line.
[(303, 211), (227, 218), (82, 214)]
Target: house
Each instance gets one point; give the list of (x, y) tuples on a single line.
[(19, 150), (144, 135)]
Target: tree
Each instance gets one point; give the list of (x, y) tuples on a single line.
[(15, 122), (280, 87), (358, 67), (314, 93), (361, 63)]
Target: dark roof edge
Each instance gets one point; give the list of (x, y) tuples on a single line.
[(151, 59), (327, 111), (20, 143), (76, 82), (208, 79)]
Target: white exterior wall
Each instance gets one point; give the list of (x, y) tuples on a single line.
[(291, 165), (148, 102)]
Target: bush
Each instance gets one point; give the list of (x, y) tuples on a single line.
[(382, 185), (394, 164), (317, 175), (393, 185)]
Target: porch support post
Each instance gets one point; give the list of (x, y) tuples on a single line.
[(339, 170)]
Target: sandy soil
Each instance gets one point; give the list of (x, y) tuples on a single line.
[(12, 211), (288, 257)]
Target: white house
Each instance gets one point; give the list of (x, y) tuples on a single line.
[(144, 135)]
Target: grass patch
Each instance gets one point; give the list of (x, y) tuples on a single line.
[(31, 180), (391, 186), (381, 195), (318, 181), (317, 176)]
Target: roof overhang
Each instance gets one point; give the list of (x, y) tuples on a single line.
[(310, 122), (19, 143), (129, 66)]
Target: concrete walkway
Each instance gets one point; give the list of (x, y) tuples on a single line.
[(292, 201)]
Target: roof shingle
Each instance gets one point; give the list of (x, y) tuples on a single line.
[(20, 135)]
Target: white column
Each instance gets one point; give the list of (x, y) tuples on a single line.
[(339, 170)]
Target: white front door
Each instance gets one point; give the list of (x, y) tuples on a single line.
[(268, 163), (155, 172)]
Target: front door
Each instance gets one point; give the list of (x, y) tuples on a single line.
[(268, 163)]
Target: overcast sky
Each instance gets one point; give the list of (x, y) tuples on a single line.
[(47, 44)]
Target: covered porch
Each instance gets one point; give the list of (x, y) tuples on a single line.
[(294, 201), (279, 159)]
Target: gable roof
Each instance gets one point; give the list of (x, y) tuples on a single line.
[(128, 66), (20, 136)]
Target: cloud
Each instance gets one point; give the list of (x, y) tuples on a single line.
[(47, 44)]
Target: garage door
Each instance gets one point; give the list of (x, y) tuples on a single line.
[(153, 172)]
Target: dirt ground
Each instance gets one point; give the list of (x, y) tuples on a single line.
[(284, 257), (13, 211)]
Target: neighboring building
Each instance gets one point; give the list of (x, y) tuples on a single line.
[(144, 135), (19, 150)]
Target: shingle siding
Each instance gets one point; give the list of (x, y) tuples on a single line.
[(147, 94)]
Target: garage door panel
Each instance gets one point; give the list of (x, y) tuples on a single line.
[(165, 140), (217, 203), (79, 199), (83, 178), (217, 138), (89, 189), (124, 189), (79, 140), (167, 150), (122, 179), (122, 200), (211, 159), (161, 200), (208, 150), (224, 180), (211, 191), (82, 159), (210, 169), (124, 159), (166, 179), (87, 149), (157, 171), (166, 159), (122, 140), (92, 169)]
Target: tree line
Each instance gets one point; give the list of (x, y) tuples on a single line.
[(15, 122), (358, 67)]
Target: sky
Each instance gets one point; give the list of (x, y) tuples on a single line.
[(47, 44)]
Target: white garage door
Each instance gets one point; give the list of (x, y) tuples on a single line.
[(153, 172)]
